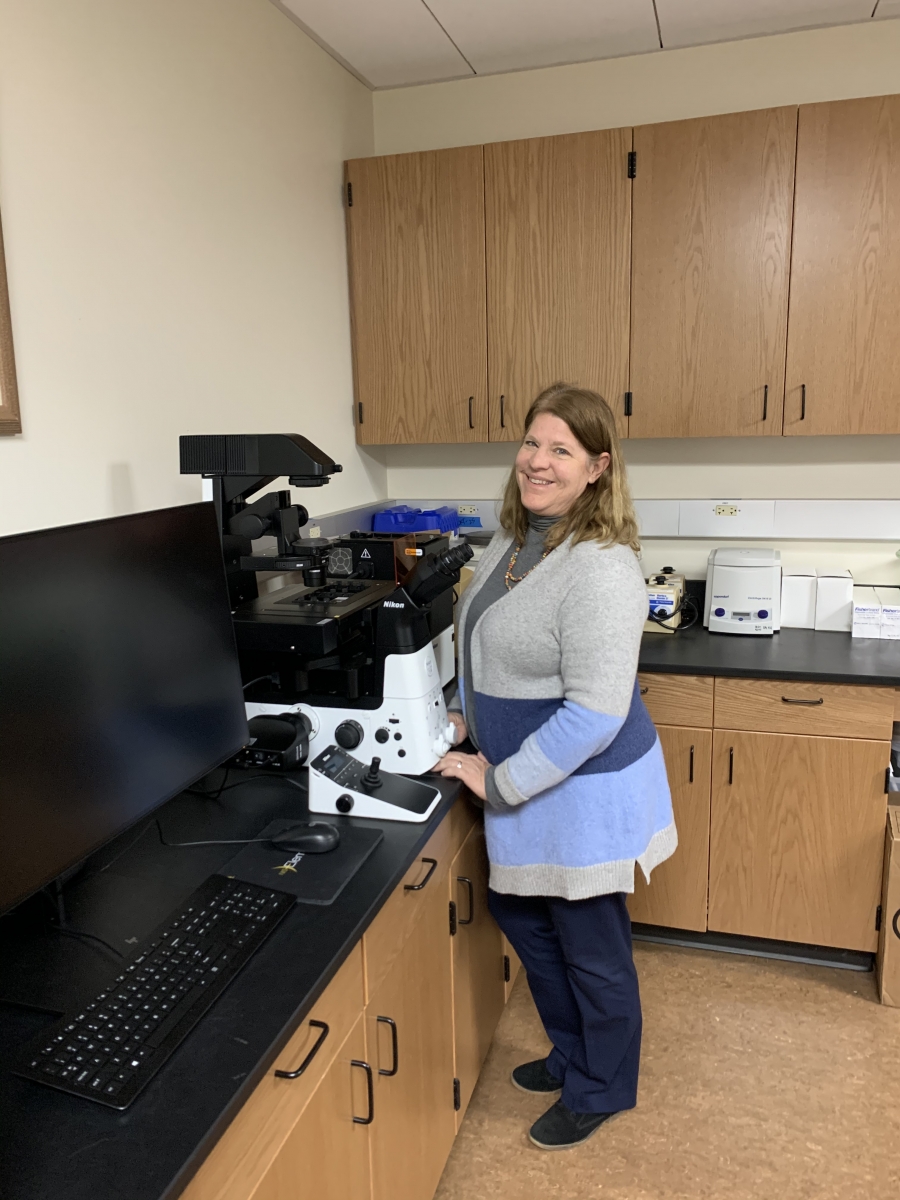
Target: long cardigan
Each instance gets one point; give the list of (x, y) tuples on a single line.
[(577, 760)]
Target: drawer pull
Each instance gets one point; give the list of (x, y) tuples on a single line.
[(644, 691), (731, 764), (471, 418), (691, 768), (396, 1061), (502, 412), (468, 882), (370, 1089), (312, 1054), (417, 887), (809, 703)]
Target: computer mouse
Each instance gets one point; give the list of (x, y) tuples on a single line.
[(307, 839)]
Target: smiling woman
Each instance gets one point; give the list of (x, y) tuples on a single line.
[(9, 395), (569, 763)]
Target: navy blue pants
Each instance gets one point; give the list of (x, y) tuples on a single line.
[(577, 954)]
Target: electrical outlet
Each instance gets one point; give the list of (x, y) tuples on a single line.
[(467, 510), (726, 510)]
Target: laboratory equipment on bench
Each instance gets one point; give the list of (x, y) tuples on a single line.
[(340, 783), (743, 591), (665, 592), (353, 653)]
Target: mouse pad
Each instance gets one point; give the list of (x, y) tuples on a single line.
[(312, 878)]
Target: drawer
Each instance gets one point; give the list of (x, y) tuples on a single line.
[(385, 937), (819, 709), (251, 1142), (678, 699)]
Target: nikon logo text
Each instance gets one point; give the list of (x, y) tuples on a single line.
[(393, 604)]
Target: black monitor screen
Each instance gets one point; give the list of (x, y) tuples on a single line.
[(119, 682)]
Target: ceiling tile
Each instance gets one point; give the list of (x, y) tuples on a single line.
[(693, 22), (509, 35), (387, 43), (887, 9)]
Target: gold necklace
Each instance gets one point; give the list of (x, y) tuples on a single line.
[(512, 579)]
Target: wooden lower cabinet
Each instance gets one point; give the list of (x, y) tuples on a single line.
[(677, 892), (479, 989), (409, 1023), (326, 1156), (796, 837)]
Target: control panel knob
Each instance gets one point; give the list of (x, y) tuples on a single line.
[(440, 746), (720, 612), (382, 735), (344, 803), (763, 613), (349, 734)]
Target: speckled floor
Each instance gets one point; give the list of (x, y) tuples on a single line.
[(759, 1079)]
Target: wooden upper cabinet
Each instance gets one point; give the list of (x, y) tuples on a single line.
[(711, 248), (843, 371), (416, 249), (558, 232)]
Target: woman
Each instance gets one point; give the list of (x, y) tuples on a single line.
[(569, 763)]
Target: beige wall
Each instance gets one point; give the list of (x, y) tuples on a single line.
[(170, 182), (859, 60)]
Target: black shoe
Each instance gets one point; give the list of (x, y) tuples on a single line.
[(560, 1128), (534, 1077)]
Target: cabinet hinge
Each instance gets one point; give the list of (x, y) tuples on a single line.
[(453, 918), (632, 164), (457, 1096), (359, 413), (628, 399), (506, 970), (349, 195), (878, 918)]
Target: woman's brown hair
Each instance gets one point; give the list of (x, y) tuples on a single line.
[(603, 512)]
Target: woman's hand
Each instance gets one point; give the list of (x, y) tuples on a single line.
[(458, 721), (469, 769)]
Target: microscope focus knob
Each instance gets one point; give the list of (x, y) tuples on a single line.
[(349, 734)]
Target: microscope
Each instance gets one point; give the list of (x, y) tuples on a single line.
[(349, 657)]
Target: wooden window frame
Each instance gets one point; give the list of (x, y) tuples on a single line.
[(10, 421)]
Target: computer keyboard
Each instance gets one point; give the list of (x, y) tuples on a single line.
[(114, 1046)]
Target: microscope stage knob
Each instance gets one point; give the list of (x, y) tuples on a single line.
[(349, 734)]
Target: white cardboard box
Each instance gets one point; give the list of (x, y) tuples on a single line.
[(834, 599), (866, 613), (798, 597), (889, 598)]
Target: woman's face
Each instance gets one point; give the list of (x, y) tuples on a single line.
[(553, 468)]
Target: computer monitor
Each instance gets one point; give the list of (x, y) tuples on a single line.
[(119, 682)]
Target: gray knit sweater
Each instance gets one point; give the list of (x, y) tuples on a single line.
[(550, 691)]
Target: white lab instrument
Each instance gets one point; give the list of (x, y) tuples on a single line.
[(743, 591), (341, 784)]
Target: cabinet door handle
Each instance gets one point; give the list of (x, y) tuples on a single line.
[(370, 1089), (765, 401), (644, 691), (809, 703), (691, 767), (396, 1061), (417, 887), (312, 1054), (802, 401), (731, 764), (468, 882), (471, 418), (502, 412)]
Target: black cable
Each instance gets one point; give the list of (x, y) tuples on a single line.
[(210, 795), (264, 775), (272, 677), (80, 933)]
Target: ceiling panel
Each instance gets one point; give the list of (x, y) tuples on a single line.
[(386, 43), (693, 22), (509, 35), (887, 9)]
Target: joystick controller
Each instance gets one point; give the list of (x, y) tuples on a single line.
[(372, 779)]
